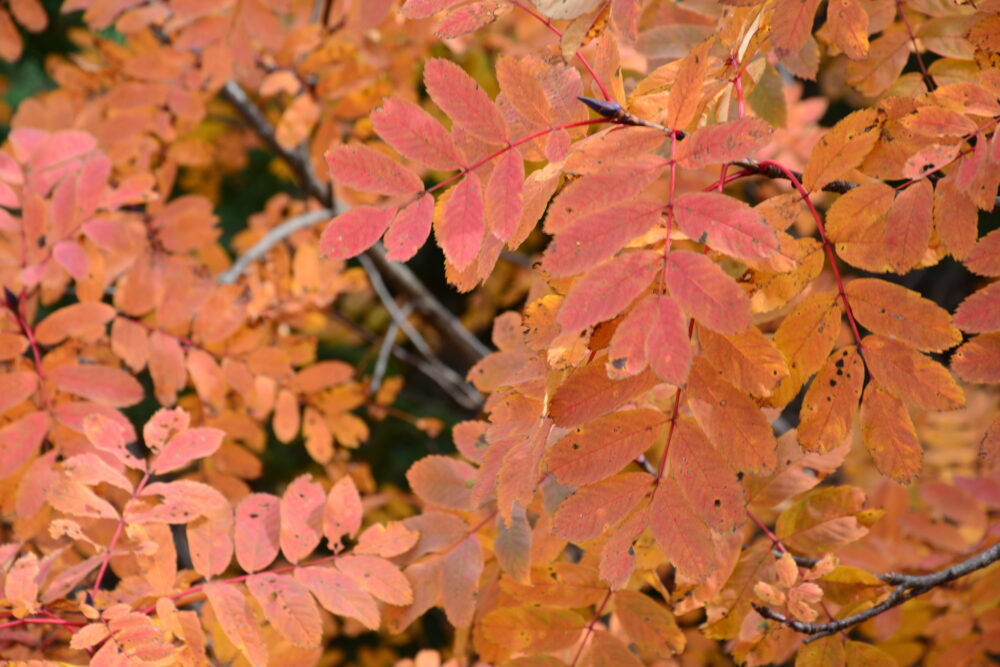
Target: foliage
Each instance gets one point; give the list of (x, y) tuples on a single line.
[(727, 418)]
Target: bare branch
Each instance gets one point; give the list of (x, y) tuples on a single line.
[(271, 239), (463, 341), (907, 587)]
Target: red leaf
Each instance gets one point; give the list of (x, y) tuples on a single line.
[(978, 360), (369, 170), (607, 290), (705, 478), (416, 134), (725, 224), (984, 258), (185, 447), (409, 229), (707, 293), (353, 232), (604, 446), (725, 142), (980, 312), (421, 9), (590, 393), (597, 236), (668, 347), (627, 350), (682, 537), (792, 25), (342, 513), (301, 517), (101, 384), (258, 531), (464, 101), (463, 223), (505, 195)]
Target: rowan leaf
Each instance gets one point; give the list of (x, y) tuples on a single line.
[(513, 545), (532, 628), (977, 361), (844, 146), (831, 403), (749, 360), (288, 607), (806, 338), (210, 542), (109, 435), (342, 513), (627, 349), (908, 226), (896, 312), (339, 594), (20, 441), (980, 312), (604, 446), (605, 649), (593, 509), (589, 393), (911, 376), (848, 22), (462, 222), (606, 290), (102, 384), (685, 95), (386, 540), (301, 517), (237, 621), (889, 435), (705, 478), (504, 200), (466, 104), (649, 625), (706, 292), (78, 320), (258, 531), (595, 237), (791, 25), (984, 257), (416, 134), (354, 231), (732, 421), (185, 447), (77, 499), (823, 520), (723, 142), (725, 224), (461, 568), (377, 576), (668, 347), (364, 168), (681, 535), (442, 481)]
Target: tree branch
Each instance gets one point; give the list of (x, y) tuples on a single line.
[(907, 587), (463, 341), (271, 239)]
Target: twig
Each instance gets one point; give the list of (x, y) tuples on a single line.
[(385, 351), (398, 274), (271, 239), (907, 587)]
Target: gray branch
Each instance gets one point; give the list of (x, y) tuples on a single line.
[(907, 587)]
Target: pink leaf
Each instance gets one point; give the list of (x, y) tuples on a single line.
[(725, 224), (369, 170), (185, 447), (462, 224), (464, 101), (707, 293), (301, 517), (505, 195), (72, 257), (353, 232), (258, 531), (416, 134), (342, 513), (410, 229), (668, 347), (607, 289)]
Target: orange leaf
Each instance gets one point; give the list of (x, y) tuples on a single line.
[(460, 571), (732, 421), (442, 481), (386, 540), (823, 520), (938, 122), (593, 509), (889, 435), (978, 360), (908, 226), (339, 594), (166, 367), (288, 607), (210, 541), (649, 625), (747, 359), (342, 513), (706, 292), (513, 545), (301, 517), (989, 447), (258, 531), (806, 337), (911, 376), (896, 312), (185, 447), (589, 393), (605, 649), (606, 290), (705, 478), (984, 258), (844, 146), (681, 535), (791, 24), (520, 84), (604, 446), (725, 224), (16, 388), (379, 577), (20, 440), (287, 416), (237, 621), (685, 95), (830, 405), (848, 21), (980, 312), (109, 435)]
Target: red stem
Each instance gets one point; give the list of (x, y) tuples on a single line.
[(826, 246), (114, 538), (590, 628), (583, 61), (767, 531)]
